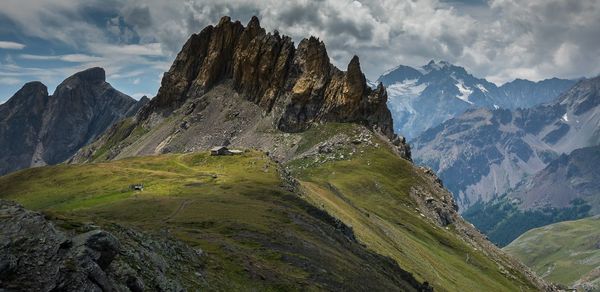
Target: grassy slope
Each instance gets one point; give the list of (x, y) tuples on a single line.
[(249, 225), (256, 233), (369, 191), (562, 252)]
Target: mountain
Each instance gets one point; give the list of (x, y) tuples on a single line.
[(566, 189), (567, 178), (425, 97), (483, 153), (276, 87), (321, 196), (37, 129), (521, 93), (567, 253)]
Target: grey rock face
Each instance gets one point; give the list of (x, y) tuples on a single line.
[(565, 179), (483, 153), (35, 255), (37, 129)]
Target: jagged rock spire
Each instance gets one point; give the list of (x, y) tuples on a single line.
[(268, 70)]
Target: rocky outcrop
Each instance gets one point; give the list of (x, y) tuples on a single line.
[(37, 129), (244, 87), (36, 255), (299, 86)]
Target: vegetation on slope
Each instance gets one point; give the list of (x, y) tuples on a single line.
[(368, 189), (502, 220), (566, 252), (255, 232), (258, 234)]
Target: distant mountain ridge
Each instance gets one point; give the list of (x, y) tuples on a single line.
[(424, 97), (566, 189), (39, 129), (483, 153)]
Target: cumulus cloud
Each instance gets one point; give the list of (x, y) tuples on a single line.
[(497, 39)]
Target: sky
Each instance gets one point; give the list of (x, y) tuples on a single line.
[(136, 41)]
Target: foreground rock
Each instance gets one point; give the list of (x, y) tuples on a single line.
[(36, 255)]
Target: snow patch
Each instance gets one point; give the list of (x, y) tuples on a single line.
[(372, 84), (482, 88), (406, 88), (496, 106), (465, 92)]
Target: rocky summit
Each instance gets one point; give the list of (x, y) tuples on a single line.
[(240, 86), (299, 85), (37, 129)]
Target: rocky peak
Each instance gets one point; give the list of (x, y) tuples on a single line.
[(583, 96), (34, 86), (38, 129), (95, 74), (33, 96), (300, 85), (30, 90)]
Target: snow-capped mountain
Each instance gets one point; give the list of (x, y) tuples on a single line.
[(424, 97)]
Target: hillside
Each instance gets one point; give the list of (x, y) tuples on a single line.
[(567, 253), (324, 197), (38, 129), (260, 228)]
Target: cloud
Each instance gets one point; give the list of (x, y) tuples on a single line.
[(10, 81), (498, 39), (11, 45), (74, 58), (152, 49)]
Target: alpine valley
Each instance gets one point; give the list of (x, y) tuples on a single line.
[(321, 196)]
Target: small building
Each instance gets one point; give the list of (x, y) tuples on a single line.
[(222, 150), (137, 187), (219, 150)]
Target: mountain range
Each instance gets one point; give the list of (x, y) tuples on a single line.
[(321, 196), (424, 97), (484, 154), (38, 129)]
